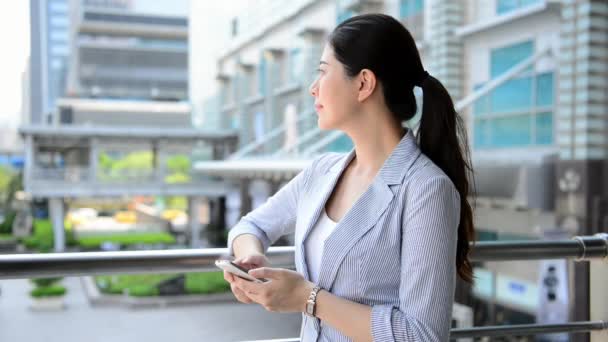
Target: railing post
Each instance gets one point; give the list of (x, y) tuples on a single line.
[(599, 296)]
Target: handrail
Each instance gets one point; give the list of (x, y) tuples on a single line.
[(528, 329), (506, 330), (14, 266)]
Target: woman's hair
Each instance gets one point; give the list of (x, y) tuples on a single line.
[(383, 45)]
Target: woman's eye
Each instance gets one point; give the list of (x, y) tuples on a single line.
[(319, 70)]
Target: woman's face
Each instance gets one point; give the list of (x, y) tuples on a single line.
[(335, 95)]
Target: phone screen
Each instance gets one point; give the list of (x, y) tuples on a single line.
[(239, 267)]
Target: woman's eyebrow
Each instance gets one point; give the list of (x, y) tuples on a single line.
[(323, 62)]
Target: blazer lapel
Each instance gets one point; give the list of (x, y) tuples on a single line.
[(359, 219), (323, 190)]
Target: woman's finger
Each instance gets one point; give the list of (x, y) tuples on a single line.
[(229, 277), (240, 295)]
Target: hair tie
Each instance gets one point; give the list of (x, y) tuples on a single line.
[(423, 76)]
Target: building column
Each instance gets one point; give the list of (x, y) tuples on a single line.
[(273, 116), (159, 160), (57, 214), (29, 163), (312, 49), (246, 203), (582, 134), (446, 51), (93, 159), (242, 77), (194, 217)]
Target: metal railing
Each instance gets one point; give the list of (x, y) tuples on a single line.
[(579, 248)]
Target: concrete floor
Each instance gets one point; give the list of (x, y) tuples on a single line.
[(230, 321)]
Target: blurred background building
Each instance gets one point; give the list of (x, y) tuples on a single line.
[(178, 117)]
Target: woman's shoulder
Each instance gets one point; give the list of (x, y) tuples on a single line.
[(424, 170)]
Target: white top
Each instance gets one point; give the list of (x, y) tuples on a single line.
[(315, 242)]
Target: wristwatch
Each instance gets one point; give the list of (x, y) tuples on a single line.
[(312, 301)]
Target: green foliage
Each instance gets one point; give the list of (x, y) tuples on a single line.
[(179, 163), (42, 238), (48, 291), (7, 237), (177, 178), (95, 241), (147, 284), (208, 282), (177, 202), (6, 227), (5, 178), (131, 165), (47, 287), (143, 291), (42, 282)]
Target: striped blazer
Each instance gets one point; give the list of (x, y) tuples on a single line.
[(394, 250)]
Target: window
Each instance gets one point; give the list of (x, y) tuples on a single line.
[(58, 6), (506, 6), (342, 12), (408, 8), (59, 21), (519, 112), (262, 75), (295, 65), (343, 15)]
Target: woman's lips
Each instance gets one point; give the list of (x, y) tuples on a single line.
[(318, 107)]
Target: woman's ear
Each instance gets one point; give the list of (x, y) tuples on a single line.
[(366, 83)]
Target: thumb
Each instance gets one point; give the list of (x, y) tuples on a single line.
[(264, 272)]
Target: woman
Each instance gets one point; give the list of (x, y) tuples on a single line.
[(380, 232)]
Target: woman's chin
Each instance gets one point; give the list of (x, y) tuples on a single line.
[(323, 125)]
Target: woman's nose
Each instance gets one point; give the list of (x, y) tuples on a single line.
[(312, 89)]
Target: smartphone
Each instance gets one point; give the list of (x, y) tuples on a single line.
[(237, 270)]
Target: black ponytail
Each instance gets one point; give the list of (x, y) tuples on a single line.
[(380, 43), (442, 137)]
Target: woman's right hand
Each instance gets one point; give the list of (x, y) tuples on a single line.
[(248, 262)]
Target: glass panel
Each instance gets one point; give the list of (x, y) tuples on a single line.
[(482, 105), (295, 65), (409, 8), (512, 95), (511, 131), (544, 128), (544, 89), (525, 3), (504, 6), (483, 285), (342, 144), (482, 133), (262, 76), (503, 59), (344, 14)]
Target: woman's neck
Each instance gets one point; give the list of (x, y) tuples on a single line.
[(373, 144)]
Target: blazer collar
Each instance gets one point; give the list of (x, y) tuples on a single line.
[(395, 166)]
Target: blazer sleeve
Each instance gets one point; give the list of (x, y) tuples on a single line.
[(428, 267), (277, 216)]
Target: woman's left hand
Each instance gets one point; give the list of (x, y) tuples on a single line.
[(287, 291)]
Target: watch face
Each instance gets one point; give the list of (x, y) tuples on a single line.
[(309, 308)]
